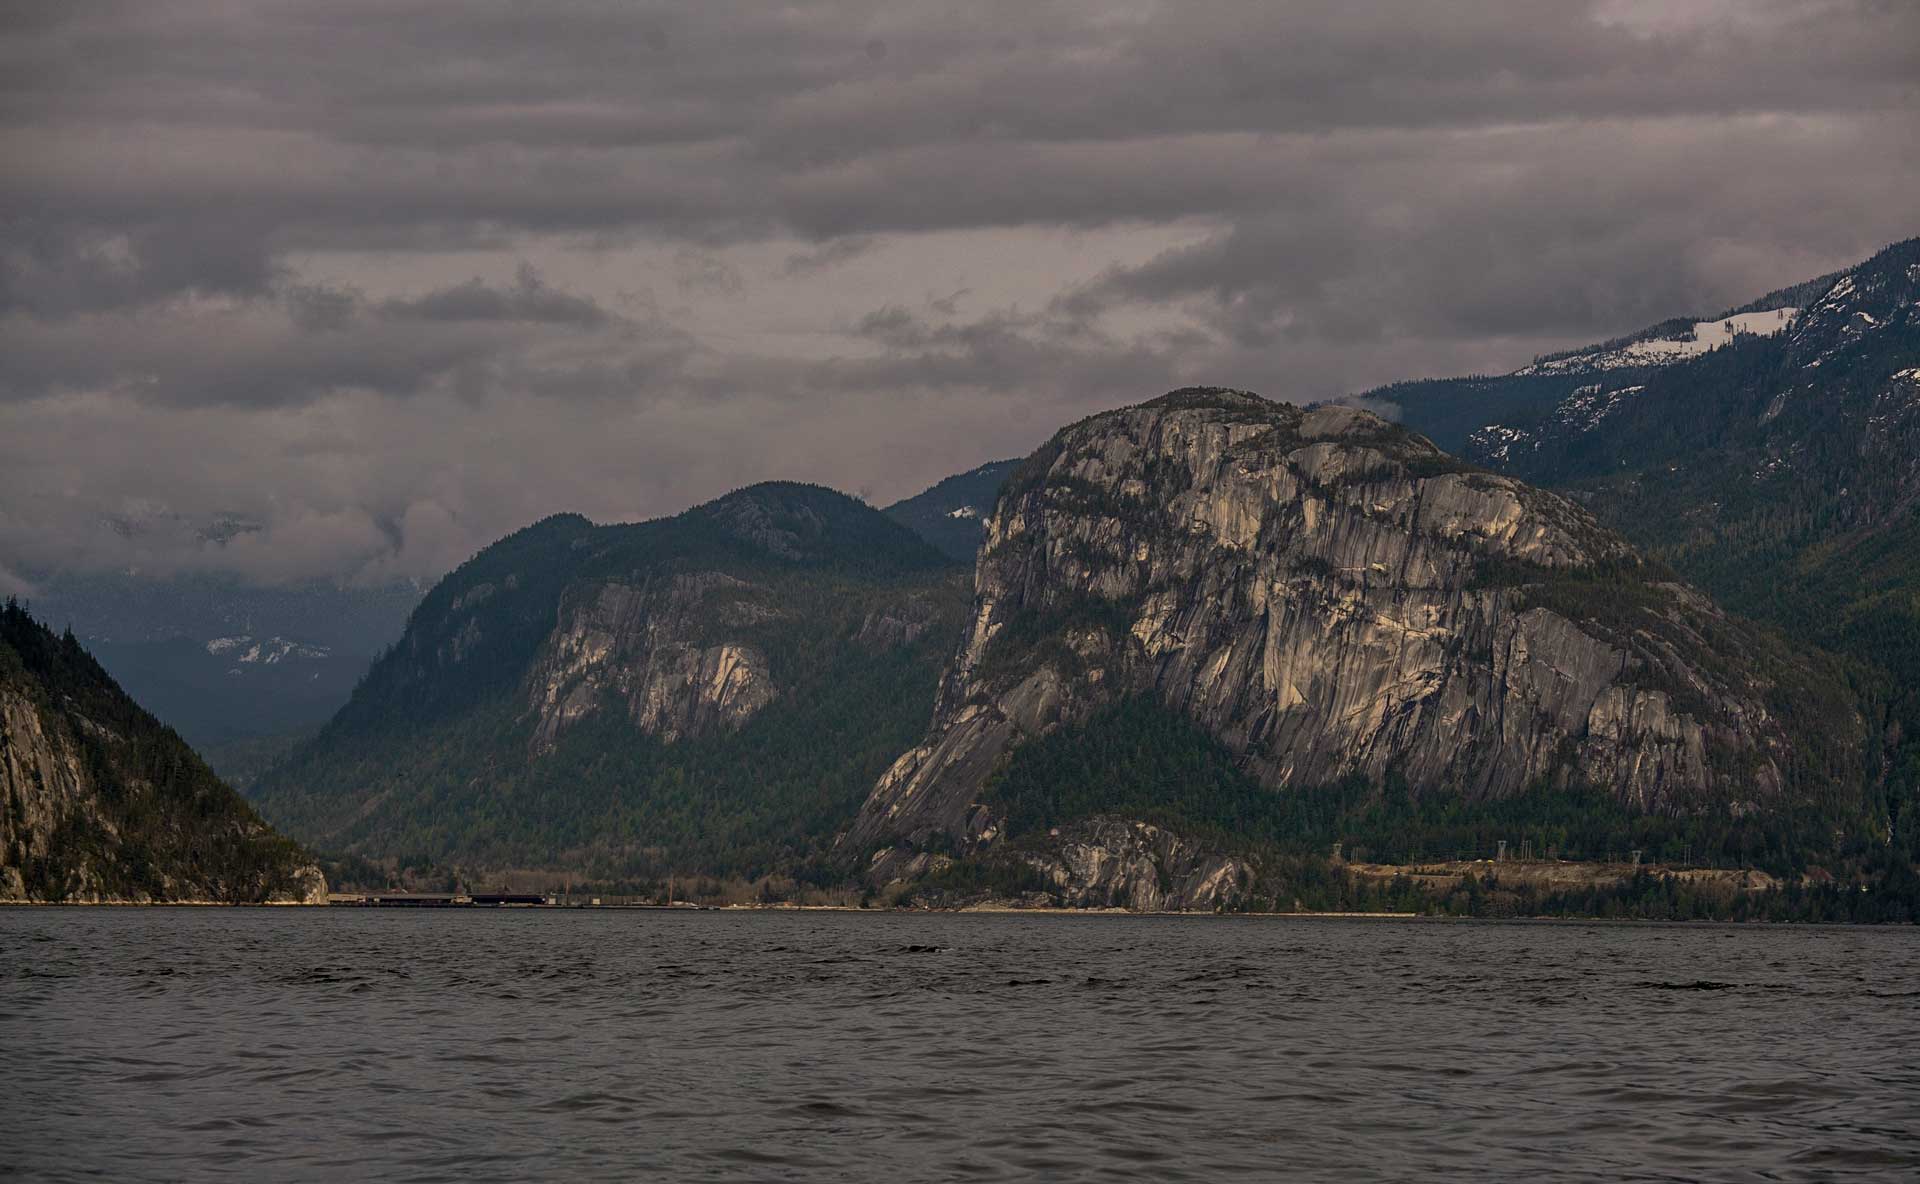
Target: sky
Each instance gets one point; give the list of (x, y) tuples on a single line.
[(347, 289)]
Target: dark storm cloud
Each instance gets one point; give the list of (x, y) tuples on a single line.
[(730, 119), (50, 267), (281, 236)]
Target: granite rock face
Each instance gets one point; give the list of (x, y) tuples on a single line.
[(649, 645), (1326, 594), (44, 783)]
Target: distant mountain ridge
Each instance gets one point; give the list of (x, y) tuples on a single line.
[(164, 639), (1449, 411), (1697, 334)]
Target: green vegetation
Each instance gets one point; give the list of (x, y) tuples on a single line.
[(1888, 894), (1633, 605), (612, 802), (1138, 760), (1036, 636), (159, 824)]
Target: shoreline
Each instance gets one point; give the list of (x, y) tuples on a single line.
[(970, 910), (980, 910), (163, 904)]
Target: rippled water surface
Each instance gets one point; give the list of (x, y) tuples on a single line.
[(455, 1045)]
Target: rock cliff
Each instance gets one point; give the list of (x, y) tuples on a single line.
[(1327, 595), (101, 803), (642, 643)]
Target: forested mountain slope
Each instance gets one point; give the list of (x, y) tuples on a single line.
[(1781, 474), (100, 802), (713, 691)]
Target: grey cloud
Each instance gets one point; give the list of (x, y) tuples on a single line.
[(1025, 360), (14, 584), (1360, 192), (827, 256), (529, 299), (696, 270), (308, 341), (1544, 232)]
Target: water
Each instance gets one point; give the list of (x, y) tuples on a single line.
[(451, 1045)]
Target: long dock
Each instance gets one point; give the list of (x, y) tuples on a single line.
[(440, 900)]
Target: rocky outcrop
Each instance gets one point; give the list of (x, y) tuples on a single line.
[(98, 803), (1096, 863), (1112, 862), (1327, 595), (657, 647)]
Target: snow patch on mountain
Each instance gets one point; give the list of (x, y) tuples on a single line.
[(1578, 413), (1705, 336), (1583, 410), (1496, 442), (265, 651)]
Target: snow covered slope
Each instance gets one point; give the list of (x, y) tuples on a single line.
[(1659, 351)]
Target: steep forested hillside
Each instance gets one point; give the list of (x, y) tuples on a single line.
[(101, 802), (953, 514), (711, 692)]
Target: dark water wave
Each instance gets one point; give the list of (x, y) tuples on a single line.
[(359, 1044)]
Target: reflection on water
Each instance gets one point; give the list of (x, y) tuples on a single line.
[(352, 1044)]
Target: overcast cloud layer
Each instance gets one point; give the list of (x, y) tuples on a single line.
[(348, 289)]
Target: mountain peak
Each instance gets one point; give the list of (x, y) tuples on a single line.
[(1338, 421), (1209, 396), (804, 523)]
